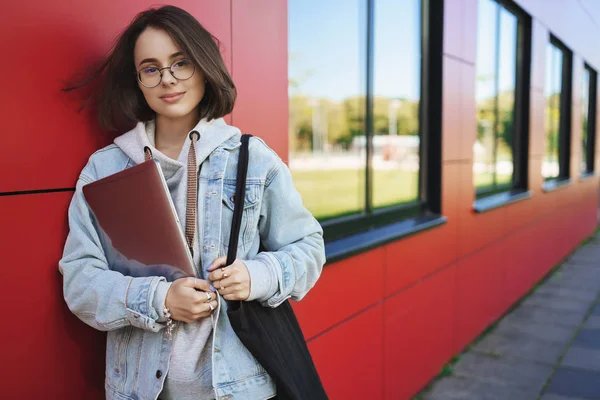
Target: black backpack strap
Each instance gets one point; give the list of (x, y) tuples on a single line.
[(238, 200)]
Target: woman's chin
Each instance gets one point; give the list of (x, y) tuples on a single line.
[(174, 111)]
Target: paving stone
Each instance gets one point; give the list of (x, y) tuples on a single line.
[(550, 300), (588, 338), (571, 286), (521, 373), (575, 382), (571, 282), (546, 332), (520, 346), (579, 272), (587, 255), (569, 293), (593, 322), (546, 315), (457, 388), (580, 357), (552, 396)]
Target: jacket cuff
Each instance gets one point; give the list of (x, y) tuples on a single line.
[(158, 303), (263, 284)]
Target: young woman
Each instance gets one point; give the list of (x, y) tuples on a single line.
[(172, 340)]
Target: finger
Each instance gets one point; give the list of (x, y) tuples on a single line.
[(221, 273), (226, 283), (188, 282), (218, 263), (230, 290), (205, 310), (233, 296), (203, 297), (201, 284)]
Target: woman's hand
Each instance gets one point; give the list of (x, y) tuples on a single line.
[(232, 281), (188, 304)]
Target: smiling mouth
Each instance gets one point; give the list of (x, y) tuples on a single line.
[(171, 98)]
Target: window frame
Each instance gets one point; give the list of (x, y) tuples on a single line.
[(564, 125), (427, 208), (520, 149), (591, 116)]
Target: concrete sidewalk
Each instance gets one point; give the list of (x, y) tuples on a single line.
[(547, 348)]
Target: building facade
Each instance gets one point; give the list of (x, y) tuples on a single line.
[(448, 148)]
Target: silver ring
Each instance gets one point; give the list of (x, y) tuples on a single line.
[(211, 307), (208, 297)]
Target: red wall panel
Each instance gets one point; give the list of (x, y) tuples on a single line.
[(48, 352), (259, 42), (349, 358), (419, 334), (480, 291), (344, 289)]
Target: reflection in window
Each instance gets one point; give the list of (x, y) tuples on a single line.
[(493, 150), (328, 81), (397, 90), (588, 120), (553, 93), (327, 46)]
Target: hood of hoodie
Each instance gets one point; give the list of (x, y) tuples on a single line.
[(212, 134)]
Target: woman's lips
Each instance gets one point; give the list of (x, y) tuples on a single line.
[(172, 98)]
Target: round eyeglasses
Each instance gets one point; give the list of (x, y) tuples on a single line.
[(152, 76)]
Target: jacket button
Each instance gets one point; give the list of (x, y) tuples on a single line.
[(158, 374)]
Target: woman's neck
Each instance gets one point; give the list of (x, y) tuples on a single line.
[(170, 134)]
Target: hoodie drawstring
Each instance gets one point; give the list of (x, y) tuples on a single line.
[(192, 190)]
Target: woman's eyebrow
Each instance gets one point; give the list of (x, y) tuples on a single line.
[(154, 60)]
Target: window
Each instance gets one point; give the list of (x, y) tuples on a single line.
[(588, 120), (358, 98), (555, 165), (502, 97)]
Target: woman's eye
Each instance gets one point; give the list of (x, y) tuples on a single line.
[(150, 70), (181, 64)]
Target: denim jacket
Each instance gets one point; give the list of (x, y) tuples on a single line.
[(138, 350)]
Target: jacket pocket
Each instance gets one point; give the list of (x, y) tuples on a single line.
[(117, 342), (250, 215)]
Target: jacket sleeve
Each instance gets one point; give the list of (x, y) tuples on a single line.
[(100, 297), (293, 240)]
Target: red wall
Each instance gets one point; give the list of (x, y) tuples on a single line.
[(380, 324)]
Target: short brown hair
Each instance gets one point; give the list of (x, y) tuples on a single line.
[(120, 102)]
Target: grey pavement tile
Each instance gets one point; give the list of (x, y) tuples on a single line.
[(587, 255), (521, 373), (579, 272), (569, 293), (546, 332), (588, 338), (550, 300), (579, 357), (457, 388), (593, 322), (520, 346), (546, 315), (552, 396), (571, 286), (575, 383), (575, 283)]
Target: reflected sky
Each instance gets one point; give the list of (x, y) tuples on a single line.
[(327, 45)]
